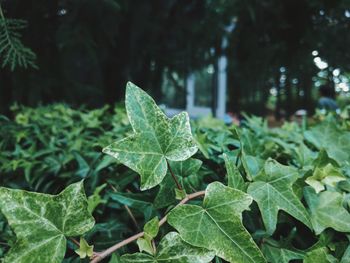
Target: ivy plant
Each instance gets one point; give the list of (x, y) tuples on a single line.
[(196, 192), (156, 139), (43, 223)]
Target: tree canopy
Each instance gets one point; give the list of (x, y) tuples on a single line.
[(87, 50)]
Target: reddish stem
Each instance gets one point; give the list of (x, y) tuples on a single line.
[(115, 247), (174, 177)]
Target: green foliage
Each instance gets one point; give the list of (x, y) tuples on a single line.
[(217, 225), (280, 255), (269, 194), (186, 173), (42, 222), (327, 211), (272, 190), (331, 138), (150, 229), (172, 249), (156, 139)]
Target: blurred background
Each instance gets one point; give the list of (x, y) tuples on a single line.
[(265, 57)]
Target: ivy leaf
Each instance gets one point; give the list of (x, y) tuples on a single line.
[(235, 179), (319, 255), (217, 225), (42, 222), (252, 165), (272, 190), (172, 250), (151, 228), (346, 256), (95, 199), (180, 194), (328, 136), (327, 210), (323, 159), (85, 250), (156, 138), (327, 175), (145, 245), (280, 255)]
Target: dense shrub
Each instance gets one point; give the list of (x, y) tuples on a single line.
[(298, 177)]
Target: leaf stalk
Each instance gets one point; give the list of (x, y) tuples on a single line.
[(100, 256), (173, 176)]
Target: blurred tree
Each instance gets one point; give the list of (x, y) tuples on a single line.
[(87, 49), (272, 48)]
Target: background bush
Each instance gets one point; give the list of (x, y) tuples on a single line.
[(47, 148)]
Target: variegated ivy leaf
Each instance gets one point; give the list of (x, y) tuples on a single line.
[(172, 250), (42, 222), (326, 172), (156, 138), (217, 225), (327, 210), (272, 190)]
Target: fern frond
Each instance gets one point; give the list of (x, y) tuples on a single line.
[(12, 51)]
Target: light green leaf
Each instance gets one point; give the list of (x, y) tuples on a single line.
[(180, 194), (327, 210), (319, 255), (145, 245), (42, 222), (85, 250), (156, 138), (272, 190), (235, 179), (172, 250), (280, 255), (218, 224), (329, 137), (151, 228), (95, 199), (327, 175)]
